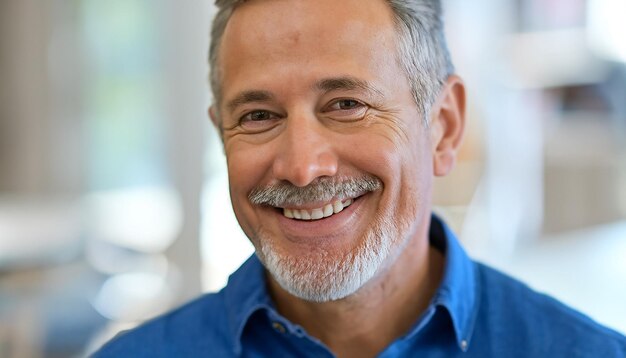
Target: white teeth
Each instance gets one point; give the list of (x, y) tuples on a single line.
[(337, 207), (319, 213), (328, 210)]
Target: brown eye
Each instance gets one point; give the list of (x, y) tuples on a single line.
[(347, 104), (258, 121), (257, 116), (345, 109)]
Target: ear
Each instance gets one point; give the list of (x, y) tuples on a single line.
[(215, 118), (448, 125)]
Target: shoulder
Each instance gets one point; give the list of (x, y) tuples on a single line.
[(198, 327), (523, 318)]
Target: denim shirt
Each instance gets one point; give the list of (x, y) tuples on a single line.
[(476, 312)]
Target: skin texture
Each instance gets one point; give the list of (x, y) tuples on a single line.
[(283, 122)]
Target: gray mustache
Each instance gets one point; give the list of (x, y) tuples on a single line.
[(322, 189)]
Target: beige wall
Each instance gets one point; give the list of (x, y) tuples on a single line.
[(36, 109)]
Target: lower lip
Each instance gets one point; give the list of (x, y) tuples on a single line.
[(306, 231)]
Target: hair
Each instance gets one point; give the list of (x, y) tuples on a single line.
[(422, 49)]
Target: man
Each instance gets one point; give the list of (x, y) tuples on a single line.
[(335, 116)]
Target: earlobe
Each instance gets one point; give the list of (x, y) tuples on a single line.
[(448, 125)]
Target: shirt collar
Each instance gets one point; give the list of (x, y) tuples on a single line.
[(246, 292), (459, 292)]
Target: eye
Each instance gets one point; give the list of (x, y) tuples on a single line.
[(346, 110), (257, 116), (258, 121), (345, 104)]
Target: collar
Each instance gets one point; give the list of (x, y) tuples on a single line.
[(246, 292), (459, 292)]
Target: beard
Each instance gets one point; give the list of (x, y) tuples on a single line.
[(323, 275)]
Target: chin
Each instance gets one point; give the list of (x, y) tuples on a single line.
[(322, 275)]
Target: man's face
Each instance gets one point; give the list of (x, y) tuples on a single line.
[(319, 119)]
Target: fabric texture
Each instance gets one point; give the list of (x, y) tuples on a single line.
[(476, 312)]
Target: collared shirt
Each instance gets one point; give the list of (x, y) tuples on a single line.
[(476, 312)]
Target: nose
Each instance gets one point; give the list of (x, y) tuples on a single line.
[(305, 152)]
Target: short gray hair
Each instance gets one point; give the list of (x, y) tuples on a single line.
[(422, 49)]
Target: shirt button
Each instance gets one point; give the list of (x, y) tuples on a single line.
[(464, 345), (278, 327)]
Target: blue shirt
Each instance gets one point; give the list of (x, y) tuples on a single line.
[(476, 312)]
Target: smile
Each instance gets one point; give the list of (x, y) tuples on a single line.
[(319, 213)]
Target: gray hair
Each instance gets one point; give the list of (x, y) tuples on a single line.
[(422, 49)]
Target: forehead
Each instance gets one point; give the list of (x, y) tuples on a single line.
[(266, 38), (318, 14)]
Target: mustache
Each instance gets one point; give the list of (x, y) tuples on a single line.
[(284, 193)]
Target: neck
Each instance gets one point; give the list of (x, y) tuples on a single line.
[(363, 324)]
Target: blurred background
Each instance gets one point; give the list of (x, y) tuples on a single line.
[(113, 193)]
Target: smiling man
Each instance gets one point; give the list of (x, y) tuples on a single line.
[(335, 117)]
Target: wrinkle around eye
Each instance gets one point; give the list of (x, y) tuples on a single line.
[(258, 127), (240, 135), (347, 115), (393, 126)]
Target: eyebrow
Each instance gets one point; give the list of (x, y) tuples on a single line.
[(346, 83), (325, 85), (249, 97)]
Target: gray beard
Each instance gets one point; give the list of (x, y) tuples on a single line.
[(323, 276)]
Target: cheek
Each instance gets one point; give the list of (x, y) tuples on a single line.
[(417, 176), (402, 161), (371, 154), (375, 154), (247, 167), (390, 147)]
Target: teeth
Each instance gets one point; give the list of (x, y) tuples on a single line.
[(328, 210), (337, 207), (319, 213)]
